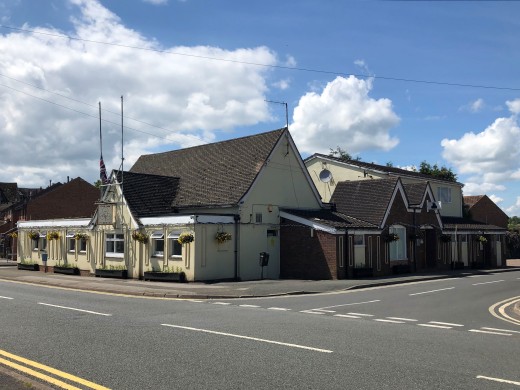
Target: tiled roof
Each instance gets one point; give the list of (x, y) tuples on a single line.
[(149, 195), (471, 200), (452, 223), (415, 191), (216, 174), (332, 219), (382, 168), (367, 200)]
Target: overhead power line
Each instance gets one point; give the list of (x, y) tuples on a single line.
[(310, 70)]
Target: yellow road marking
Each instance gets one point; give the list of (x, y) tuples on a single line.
[(48, 369), (39, 375), (503, 316)]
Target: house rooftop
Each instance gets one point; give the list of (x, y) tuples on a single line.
[(380, 168), (216, 174)]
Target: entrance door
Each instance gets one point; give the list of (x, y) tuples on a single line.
[(430, 248)]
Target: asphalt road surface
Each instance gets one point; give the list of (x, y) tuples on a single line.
[(444, 334)]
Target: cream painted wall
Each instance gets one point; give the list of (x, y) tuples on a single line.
[(341, 172), (282, 183)]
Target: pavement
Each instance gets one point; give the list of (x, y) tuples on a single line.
[(225, 290)]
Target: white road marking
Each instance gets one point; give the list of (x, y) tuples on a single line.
[(498, 380), (489, 332), (222, 303), (361, 314), (5, 297), (249, 338), (346, 316), (347, 304), (431, 291), (75, 309), (278, 308), (501, 330), (256, 306), (195, 300), (444, 323), (311, 312), (494, 281), (326, 311), (476, 276), (391, 321), (401, 319), (435, 326)]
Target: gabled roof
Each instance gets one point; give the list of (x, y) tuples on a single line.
[(216, 174), (393, 171), (9, 195), (367, 200), (415, 192), (472, 200), (149, 195)]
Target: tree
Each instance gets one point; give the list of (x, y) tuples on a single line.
[(342, 155), (441, 173), (97, 183), (513, 223)]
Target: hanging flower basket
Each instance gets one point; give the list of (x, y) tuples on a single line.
[(81, 236), (141, 237), (222, 237), (185, 238), (481, 239), (53, 235), (446, 238), (33, 235), (391, 237)]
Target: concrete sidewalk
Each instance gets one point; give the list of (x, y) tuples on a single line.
[(222, 290)]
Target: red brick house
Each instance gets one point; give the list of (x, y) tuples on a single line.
[(482, 209), (374, 227)]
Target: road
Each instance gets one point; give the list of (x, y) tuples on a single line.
[(429, 335)]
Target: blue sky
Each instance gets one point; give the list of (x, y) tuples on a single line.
[(389, 81)]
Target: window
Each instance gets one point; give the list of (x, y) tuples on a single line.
[(175, 248), (444, 194), (398, 248), (82, 245), (115, 244), (359, 239), (157, 243), (71, 242), (258, 218)]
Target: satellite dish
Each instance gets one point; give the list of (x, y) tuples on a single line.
[(325, 176)]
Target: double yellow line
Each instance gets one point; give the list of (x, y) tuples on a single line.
[(25, 368), (502, 306)]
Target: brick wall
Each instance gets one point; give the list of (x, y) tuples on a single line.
[(306, 257), (75, 199)]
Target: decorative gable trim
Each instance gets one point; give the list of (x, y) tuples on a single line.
[(398, 189), (311, 224)]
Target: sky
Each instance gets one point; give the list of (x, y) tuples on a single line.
[(397, 82)]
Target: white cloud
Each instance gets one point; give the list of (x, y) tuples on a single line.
[(515, 209), (192, 97), (495, 199), (514, 106), (282, 84), (476, 188), (344, 114), (494, 151)]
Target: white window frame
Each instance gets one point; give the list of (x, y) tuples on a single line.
[(397, 249), (113, 238), (174, 244), (156, 237), (71, 242), (444, 194)]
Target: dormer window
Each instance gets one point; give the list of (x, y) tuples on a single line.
[(444, 194)]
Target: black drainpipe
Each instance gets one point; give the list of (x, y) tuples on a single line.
[(236, 217)]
